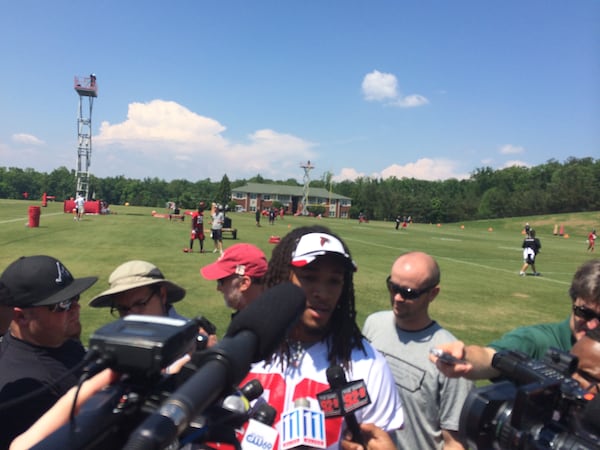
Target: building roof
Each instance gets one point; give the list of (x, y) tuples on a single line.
[(280, 189)]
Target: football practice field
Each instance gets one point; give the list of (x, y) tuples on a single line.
[(481, 297)]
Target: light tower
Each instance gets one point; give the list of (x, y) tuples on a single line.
[(86, 87), (307, 168)]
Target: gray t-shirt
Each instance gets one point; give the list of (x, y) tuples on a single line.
[(217, 221), (431, 401)]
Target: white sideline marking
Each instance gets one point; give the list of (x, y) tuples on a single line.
[(26, 218)]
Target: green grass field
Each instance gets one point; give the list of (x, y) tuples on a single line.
[(481, 295)]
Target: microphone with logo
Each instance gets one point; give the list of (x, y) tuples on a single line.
[(219, 423), (343, 399), (303, 427), (260, 434)]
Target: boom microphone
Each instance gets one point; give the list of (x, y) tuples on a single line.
[(252, 336), (262, 317)]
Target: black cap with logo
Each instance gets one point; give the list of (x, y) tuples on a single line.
[(39, 280)]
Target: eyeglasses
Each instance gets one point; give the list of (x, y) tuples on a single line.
[(63, 306), (405, 292), (120, 310), (585, 313)]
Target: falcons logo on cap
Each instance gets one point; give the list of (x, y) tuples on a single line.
[(324, 240)]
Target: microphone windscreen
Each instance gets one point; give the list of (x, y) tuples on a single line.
[(336, 376), (265, 413), (252, 389), (269, 317)]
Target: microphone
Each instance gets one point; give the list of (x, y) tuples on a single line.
[(264, 316), (220, 423), (240, 400), (260, 434), (252, 336), (303, 427), (252, 390), (343, 399)]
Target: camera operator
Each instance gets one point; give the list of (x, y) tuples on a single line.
[(40, 355), (587, 349), (587, 374), (533, 340), (59, 414), (139, 287)]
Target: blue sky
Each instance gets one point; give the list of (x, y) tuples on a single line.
[(199, 89)]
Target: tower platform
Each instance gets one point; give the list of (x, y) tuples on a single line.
[(86, 86)]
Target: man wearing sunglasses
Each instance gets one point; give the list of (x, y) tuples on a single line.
[(41, 352), (534, 340), (405, 336)]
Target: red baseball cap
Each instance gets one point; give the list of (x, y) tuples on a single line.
[(239, 259)]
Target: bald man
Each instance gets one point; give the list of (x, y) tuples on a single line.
[(405, 336)]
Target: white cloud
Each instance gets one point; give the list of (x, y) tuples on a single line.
[(422, 169), (383, 87), (425, 169), (192, 146), (27, 139), (411, 101), (377, 86), (347, 174), (509, 149), (162, 121)]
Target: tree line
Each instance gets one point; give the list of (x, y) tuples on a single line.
[(552, 187)]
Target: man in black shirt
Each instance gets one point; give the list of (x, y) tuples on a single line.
[(40, 354), (531, 247)]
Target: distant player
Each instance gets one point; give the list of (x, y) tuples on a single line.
[(80, 205), (591, 241), (198, 228), (531, 247)]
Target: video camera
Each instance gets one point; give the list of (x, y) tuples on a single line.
[(140, 348), (537, 406), (150, 409)]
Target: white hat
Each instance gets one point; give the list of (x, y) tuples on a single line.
[(312, 245), (134, 274)]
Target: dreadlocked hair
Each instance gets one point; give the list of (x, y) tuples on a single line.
[(344, 334)]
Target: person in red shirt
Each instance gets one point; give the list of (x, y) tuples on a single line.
[(197, 228), (591, 241)]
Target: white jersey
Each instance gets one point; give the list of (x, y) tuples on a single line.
[(305, 379)]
